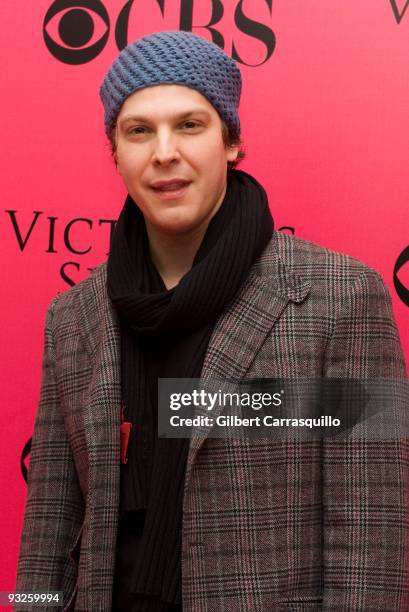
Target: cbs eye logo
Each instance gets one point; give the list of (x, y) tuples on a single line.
[(76, 31), (24, 459), (401, 289)]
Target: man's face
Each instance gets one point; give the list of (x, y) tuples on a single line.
[(172, 158)]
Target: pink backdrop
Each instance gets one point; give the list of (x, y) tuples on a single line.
[(326, 128)]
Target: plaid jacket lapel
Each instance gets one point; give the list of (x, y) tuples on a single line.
[(101, 332), (240, 332)]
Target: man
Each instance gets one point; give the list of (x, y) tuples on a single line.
[(197, 284)]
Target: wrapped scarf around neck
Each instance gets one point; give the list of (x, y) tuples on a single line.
[(164, 334)]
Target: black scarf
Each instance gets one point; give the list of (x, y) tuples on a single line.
[(164, 334)]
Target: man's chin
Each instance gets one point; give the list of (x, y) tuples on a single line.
[(178, 227)]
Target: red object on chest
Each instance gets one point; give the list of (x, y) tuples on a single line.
[(125, 431)]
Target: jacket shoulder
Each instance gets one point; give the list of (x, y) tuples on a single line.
[(88, 291), (316, 262)]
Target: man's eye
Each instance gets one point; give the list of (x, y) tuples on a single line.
[(190, 124), (137, 130)]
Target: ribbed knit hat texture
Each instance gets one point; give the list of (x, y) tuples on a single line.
[(174, 57)]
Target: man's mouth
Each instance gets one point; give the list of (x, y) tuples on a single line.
[(170, 185)]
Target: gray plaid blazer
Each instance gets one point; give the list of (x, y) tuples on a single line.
[(317, 525)]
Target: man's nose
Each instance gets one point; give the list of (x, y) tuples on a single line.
[(166, 148)]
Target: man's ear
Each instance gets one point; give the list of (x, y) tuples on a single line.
[(232, 152)]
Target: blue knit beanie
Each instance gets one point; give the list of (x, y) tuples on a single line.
[(174, 57)]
